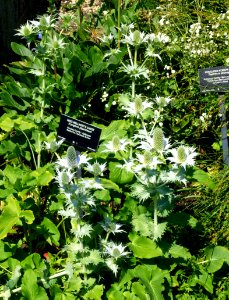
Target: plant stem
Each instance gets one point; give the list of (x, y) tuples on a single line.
[(155, 221), (17, 290), (119, 22)]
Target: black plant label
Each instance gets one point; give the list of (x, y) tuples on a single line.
[(79, 133), (215, 79)]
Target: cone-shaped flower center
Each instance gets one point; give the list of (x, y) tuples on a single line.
[(71, 157), (147, 157), (116, 143), (181, 154), (138, 105), (158, 139)]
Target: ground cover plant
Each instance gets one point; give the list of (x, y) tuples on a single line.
[(111, 224)]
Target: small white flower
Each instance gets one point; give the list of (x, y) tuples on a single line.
[(116, 144), (137, 106), (54, 145), (183, 155), (163, 101), (111, 227), (96, 168), (115, 251)]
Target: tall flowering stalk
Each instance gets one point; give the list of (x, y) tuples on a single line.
[(153, 160)]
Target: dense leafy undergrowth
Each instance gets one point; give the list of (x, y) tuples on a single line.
[(146, 215)]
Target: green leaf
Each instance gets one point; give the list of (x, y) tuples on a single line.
[(8, 100), (9, 217), (110, 185), (6, 250), (95, 293), (153, 279), (30, 289), (216, 256), (50, 232), (143, 224), (28, 215), (103, 195), (143, 247), (119, 175), (196, 174), (6, 123), (140, 291), (21, 50), (116, 127), (179, 251)]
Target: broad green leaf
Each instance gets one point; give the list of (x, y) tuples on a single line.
[(95, 69), (216, 256), (28, 215), (196, 174), (30, 289), (204, 279), (23, 124), (179, 251), (8, 100), (102, 195), (153, 279), (50, 232), (21, 50), (143, 247), (119, 175), (7, 124), (64, 296), (140, 291), (115, 128), (95, 293), (6, 250), (110, 185), (9, 217)]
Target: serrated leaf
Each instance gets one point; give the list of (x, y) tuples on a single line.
[(9, 217), (143, 247), (216, 256), (95, 293), (179, 251), (143, 225)]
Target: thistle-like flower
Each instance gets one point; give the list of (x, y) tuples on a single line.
[(153, 141), (73, 159), (135, 71), (96, 168), (183, 156), (162, 101), (111, 227), (115, 251), (26, 30), (137, 106), (134, 38), (116, 144)]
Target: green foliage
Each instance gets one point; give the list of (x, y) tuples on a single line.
[(108, 224)]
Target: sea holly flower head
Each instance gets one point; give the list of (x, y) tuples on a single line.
[(146, 161), (54, 145), (153, 141), (115, 251), (183, 156), (26, 30), (134, 38), (96, 168), (73, 159), (111, 227), (162, 101), (112, 265), (150, 52), (136, 106), (64, 177), (54, 43), (116, 144), (135, 71)]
